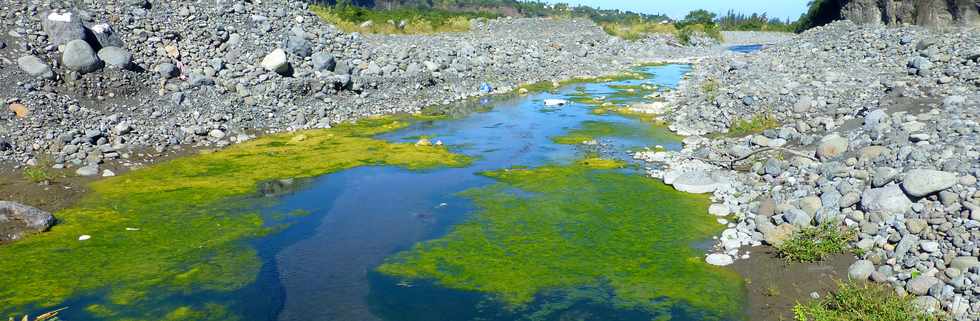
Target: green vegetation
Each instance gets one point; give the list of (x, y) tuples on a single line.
[(710, 90), (821, 12), (754, 125), (551, 86), (815, 243), (580, 225), (352, 18), (164, 234), (37, 174), (855, 301), (755, 22), (591, 130), (637, 30)]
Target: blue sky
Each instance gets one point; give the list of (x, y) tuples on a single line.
[(677, 9)]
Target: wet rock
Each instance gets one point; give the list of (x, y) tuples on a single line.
[(719, 259), (18, 220)]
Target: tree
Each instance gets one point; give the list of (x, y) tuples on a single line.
[(702, 17)]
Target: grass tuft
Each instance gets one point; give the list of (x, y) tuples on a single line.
[(813, 244), (860, 302), (754, 125)]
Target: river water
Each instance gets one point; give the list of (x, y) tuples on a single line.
[(343, 226)]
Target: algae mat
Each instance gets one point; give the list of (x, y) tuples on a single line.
[(164, 243), (576, 226)]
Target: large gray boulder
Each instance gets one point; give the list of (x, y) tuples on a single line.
[(80, 57), (105, 36), (63, 26), (276, 61), (922, 182), (18, 220), (889, 199), (35, 67), (860, 270)]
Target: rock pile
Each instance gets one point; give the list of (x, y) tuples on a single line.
[(877, 129)]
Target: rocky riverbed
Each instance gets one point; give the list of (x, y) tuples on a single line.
[(871, 127), (117, 83)]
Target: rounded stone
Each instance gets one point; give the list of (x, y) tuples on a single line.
[(80, 57)]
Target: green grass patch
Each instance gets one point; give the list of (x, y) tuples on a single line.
[(576, 226), (815, 243), (417, 21), (166, 233), (855, 301), (636, 30), (754, 125)]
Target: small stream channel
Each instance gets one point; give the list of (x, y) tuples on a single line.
[(343, 226)]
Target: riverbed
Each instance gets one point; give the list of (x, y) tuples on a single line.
[(517, 211)]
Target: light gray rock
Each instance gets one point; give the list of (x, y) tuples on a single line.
[(920, 285), (964, 263), (18, 220), (922, 182), (35, 67), (831, 146), (168, 70), (88, 170), (276, 61), (927, 304), (860, 270), (699, 182), (889, 199), (116, 57), (798, 218), (80, 57)]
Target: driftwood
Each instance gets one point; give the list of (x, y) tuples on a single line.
[(730, 164)]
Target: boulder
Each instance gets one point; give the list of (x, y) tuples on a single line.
[(922, 182), (168, 70), (779, 234), (35, 67), (889, 199), (80, 57), (63, 26), (276, 61), (831, 146), (299, 46), (116, 57), (18, 220)]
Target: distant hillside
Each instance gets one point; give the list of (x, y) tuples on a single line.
[(506, 8)]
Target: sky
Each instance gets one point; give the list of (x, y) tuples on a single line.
[(678, 8)]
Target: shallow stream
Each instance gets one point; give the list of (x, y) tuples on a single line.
[(534, 225)]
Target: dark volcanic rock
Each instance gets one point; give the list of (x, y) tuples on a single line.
[(18, 220)]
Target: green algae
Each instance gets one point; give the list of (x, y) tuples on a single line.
[(577, 226), (164, 232), (591, 130), (547, 86)]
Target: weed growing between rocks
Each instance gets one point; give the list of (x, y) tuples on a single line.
[(578, 225), (861, 302), (163, 236), (815, 243), (754, 125)]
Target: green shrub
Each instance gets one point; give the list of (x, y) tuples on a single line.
[(637, 30), (756, 124), (687, 32), (813, 244), (860, 302)]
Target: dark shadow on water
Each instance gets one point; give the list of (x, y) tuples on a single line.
[(398, 300)]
